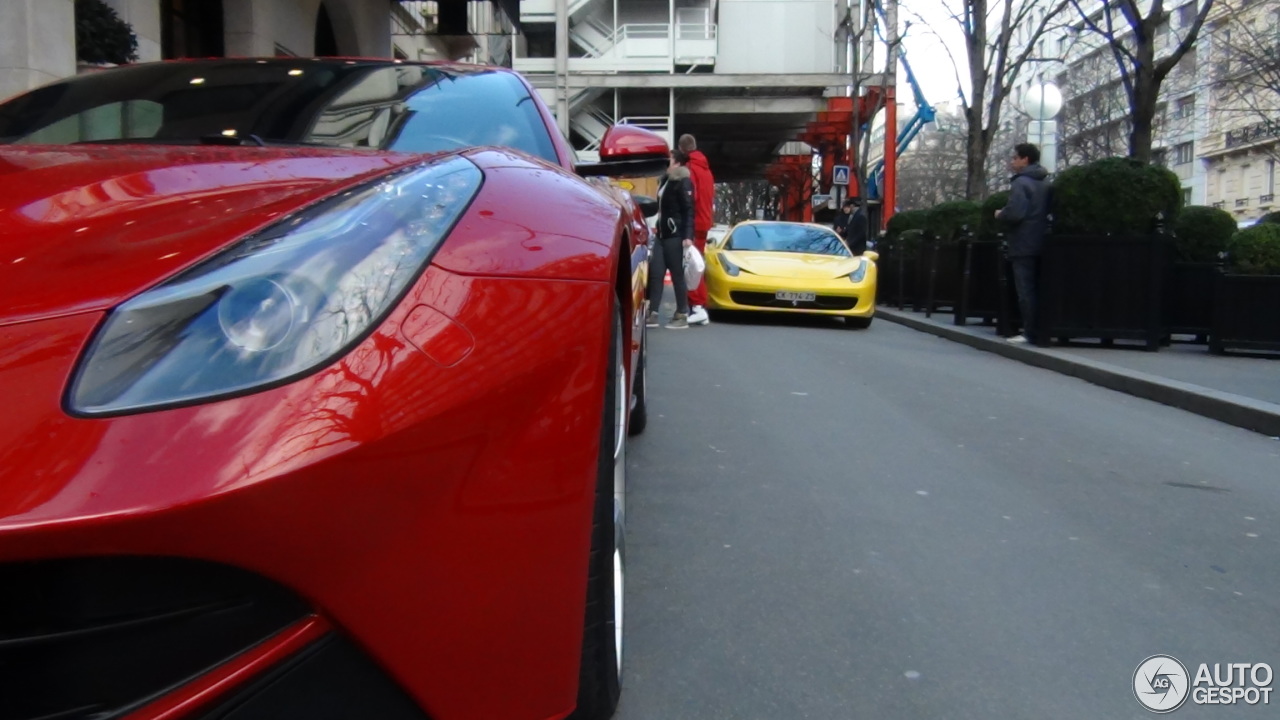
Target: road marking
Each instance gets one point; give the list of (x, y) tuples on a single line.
[(912, 675), (922, 492)]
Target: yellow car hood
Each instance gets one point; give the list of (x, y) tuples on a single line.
[(800, 266)]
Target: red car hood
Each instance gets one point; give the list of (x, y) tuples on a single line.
[(85, 227)]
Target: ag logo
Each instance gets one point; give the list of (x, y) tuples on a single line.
[(1161, 683)]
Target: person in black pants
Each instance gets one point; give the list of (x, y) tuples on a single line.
[(675, 233), (1027, 214)]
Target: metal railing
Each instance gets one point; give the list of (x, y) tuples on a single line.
[(696, 31), (1268, 198), (656, 123), (1242, 202)]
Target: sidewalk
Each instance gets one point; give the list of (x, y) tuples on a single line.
[(1241, 391)]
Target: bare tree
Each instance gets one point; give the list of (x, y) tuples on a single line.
[(1146, 48), (933, 170), (873, 19), (1001, 37), (739, 201), (1246, 74), (1095, 121)]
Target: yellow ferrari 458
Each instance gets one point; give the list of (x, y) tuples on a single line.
[(790, 267)]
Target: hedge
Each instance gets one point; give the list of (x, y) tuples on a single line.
[(1255, 250), (904, 221), (988, 226), (101, 36), (1114, 196), (945, 220), (1202, 233)]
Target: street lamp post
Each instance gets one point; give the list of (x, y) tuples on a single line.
[(1042, 103)]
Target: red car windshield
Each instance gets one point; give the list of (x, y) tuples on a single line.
[(336, 103)]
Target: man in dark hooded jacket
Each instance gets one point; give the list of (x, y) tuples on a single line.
[(1027, 215)]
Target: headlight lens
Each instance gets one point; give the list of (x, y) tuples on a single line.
[(278, 304), (729, 268), (860, 274)]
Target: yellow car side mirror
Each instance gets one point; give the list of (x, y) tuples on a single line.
[(871, 255)]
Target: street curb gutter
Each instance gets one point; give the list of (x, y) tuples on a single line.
[(1237, 410)]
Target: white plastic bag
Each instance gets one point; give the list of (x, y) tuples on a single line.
[(694, 266)]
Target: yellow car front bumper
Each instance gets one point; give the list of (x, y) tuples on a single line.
[(837, 297)]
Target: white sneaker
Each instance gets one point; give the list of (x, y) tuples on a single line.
[(1018, 340), (699, 316)]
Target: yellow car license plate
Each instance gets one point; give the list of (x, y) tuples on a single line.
[(796, 296)]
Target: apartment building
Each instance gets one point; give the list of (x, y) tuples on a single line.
[(744, 76), (37, 37), (1213, 128), (1241, 144)]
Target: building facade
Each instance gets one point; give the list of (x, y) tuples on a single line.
[(1217, 123), (743, 76)]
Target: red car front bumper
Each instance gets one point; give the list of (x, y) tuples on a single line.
[(426, 500)]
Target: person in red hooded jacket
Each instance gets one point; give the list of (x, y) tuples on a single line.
[(704, 193)]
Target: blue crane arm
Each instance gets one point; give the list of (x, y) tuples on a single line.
[(925, 114)]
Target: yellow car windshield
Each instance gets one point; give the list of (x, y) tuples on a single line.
[(787, 237)]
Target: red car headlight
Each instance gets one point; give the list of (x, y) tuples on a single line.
[(279, 304)]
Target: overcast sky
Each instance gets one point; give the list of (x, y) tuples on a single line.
[(927, 53)]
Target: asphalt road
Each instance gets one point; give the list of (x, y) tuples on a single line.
[(828, 523)]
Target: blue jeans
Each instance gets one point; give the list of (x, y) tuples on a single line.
[(1025, 276)]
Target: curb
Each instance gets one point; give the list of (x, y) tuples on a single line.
[(1237, 410)]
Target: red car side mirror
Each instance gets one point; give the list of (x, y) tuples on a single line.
[(629, 151)]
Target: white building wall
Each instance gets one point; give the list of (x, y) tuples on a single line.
[(37, 43), (776, 36), (144, 16)]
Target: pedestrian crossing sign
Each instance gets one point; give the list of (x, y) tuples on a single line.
[(841, 175)]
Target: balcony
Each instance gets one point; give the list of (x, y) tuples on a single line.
[(1242, 202), (696, 44), (1221, 204), (1257, 132), (1266, 199)]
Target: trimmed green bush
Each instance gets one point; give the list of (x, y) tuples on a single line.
[(1114, 196), (945, 220), (1202, 233), (988, 226), (1272, 217), (904, 221), (1255, 250), (101, 36)]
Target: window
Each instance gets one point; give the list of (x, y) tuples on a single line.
[(1160, 157), (191, 28), (1183, 153), (1269, 182), (1186, 107), (1186, 196), (1187, 14)]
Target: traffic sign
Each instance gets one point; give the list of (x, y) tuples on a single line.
[(841, 176)]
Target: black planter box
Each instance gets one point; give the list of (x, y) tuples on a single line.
[(1106, 287), (1189, 298), (980, 282), (895, 284), (1246, 313), (942, 270)]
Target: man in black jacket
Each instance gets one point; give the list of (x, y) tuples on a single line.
[(675, 233), (1027, 214)]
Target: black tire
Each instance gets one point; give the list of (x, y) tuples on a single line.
[(640, 413), (858, 323), (600, 676)]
